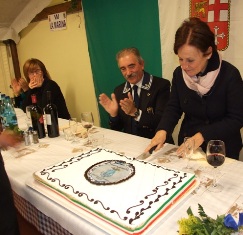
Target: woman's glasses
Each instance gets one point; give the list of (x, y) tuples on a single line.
[(37, 71)]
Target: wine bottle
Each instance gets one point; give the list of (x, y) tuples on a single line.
[(51, 115), (36, 114)]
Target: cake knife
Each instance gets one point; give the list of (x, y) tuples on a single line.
[(147, 154)]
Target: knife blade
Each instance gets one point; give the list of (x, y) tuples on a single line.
[(147, 154)]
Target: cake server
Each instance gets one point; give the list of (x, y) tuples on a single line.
[(147, 154)]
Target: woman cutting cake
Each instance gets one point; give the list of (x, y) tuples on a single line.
[(206, 89)]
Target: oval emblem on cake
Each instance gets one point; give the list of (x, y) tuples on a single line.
[(109, 172)]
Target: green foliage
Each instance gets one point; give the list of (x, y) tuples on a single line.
[(203, 225)]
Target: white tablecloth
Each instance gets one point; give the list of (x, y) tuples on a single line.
[(53, 150)]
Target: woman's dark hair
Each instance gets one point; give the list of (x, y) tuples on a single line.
[(197, 33), (33, 64)]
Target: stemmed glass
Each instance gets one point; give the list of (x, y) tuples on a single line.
[(28, 120), (73, 124), (87, 121), (215, 155), (189, 144)]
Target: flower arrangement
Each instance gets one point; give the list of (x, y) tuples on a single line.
[(205, 225)]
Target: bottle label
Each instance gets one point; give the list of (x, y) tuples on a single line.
[(48, 119), (33, 99), (41, 119)]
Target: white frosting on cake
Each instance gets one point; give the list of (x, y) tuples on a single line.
[(130, 205)]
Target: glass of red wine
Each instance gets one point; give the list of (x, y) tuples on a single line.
[(215, 155)]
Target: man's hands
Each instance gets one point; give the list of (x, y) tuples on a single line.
[(127, 105), (111, 105)]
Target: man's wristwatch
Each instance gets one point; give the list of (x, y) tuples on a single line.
[(136, 114)]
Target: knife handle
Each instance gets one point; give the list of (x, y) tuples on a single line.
[(152, 149)]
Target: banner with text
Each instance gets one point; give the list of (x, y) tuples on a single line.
[(58, 21)]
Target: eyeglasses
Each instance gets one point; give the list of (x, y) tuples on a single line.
[(37, 71)]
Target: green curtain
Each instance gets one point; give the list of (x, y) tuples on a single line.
[(112, 25)]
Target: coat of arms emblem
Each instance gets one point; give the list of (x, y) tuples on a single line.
[(217, 14)]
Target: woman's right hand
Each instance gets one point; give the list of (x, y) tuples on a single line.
[(24, 85), (158, 140), (16, 87)]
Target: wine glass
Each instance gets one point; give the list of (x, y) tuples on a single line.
[(189, 144), (28, 120), (73, 124), (215, 155), (87, 121)]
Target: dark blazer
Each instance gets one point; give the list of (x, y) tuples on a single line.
[(154, 95), (56, 96), (216, 115)]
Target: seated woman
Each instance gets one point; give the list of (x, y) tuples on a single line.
[(39, 83)]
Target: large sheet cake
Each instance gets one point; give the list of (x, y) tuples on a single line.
[(127, 194)]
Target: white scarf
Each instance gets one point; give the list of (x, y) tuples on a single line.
[(203, 84)]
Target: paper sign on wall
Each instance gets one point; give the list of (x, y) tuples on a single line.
[(57, 21)]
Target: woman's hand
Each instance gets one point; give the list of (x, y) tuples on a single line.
[(198, 140), (158, 140), (16, 87), (36, 82), (24, 85)]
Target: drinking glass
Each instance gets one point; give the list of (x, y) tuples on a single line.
[(28, 120), (87, 121), (189, 144), (215, 155), (97, 140), (73, 124)]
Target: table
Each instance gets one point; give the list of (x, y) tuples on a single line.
[(51, 218)]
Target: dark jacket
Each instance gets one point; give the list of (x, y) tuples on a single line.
[(153, 98), (216, 115), (8, 215), (56, 96)]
